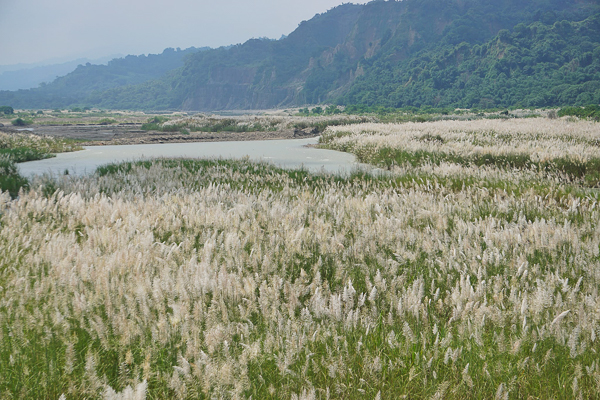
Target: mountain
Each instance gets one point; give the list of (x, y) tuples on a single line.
[(78, 85), (463, 53), (31, 76), (541, 64)]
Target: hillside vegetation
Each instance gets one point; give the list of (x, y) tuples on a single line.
[(442, 53), (534, 65), (87, 80)]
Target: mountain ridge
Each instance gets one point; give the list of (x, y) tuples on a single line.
[(387, 53)]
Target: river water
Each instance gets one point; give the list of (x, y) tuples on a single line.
[(283, 153)]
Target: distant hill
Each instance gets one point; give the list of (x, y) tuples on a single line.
[(31, 76), (464, 53), (76, 86)]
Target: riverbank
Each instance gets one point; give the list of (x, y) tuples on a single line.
[(99, 135), (18, 147)]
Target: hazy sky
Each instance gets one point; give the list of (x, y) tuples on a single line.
[(39, 30)]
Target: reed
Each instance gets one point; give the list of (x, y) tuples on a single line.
[(232, 279)]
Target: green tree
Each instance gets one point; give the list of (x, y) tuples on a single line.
[(7, 110)]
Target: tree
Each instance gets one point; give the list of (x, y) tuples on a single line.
[(7, 110)]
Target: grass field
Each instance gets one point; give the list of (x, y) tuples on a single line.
[(231, 279), (542, 145)]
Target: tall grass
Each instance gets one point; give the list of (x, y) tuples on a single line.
[(203, 123), (571, 148), (20, 147), (231, 279), (27, 147)]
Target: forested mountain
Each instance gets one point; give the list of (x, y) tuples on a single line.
[(482, 53), (531, 65), (77, 86), (26, 76)]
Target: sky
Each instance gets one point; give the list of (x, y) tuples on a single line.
[(37, 31)]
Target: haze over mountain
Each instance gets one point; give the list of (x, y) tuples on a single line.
[(467, 53), (85, 80), (27, 76)]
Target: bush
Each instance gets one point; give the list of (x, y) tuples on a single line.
[(150, 127), (7, 110), (158, 120), (21, 122), (10, 179)]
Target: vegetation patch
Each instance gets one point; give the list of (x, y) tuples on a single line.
[(559, 147), (20, 147), (21, 122), (203, 123), (10, 179), (591, 112)]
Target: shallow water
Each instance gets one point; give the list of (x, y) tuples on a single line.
[(284, 153)]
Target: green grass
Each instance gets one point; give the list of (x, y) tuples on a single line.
[(23, 154), (10, 180)]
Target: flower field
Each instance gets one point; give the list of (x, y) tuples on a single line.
[(444, 279)]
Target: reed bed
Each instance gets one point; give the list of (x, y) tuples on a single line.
[(16, 147), (567, 146), (250, 123), (22, 147), (232, 279)]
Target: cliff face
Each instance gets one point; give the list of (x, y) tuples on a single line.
[(263, 73), (322, 59)]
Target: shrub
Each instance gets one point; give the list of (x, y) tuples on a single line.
[(10, 179), (150, 127), (158, 120), (21, 122), (7, 110)]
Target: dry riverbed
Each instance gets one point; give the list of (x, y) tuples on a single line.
[(123, 134)]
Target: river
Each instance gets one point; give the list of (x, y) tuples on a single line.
[(284, 153)]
